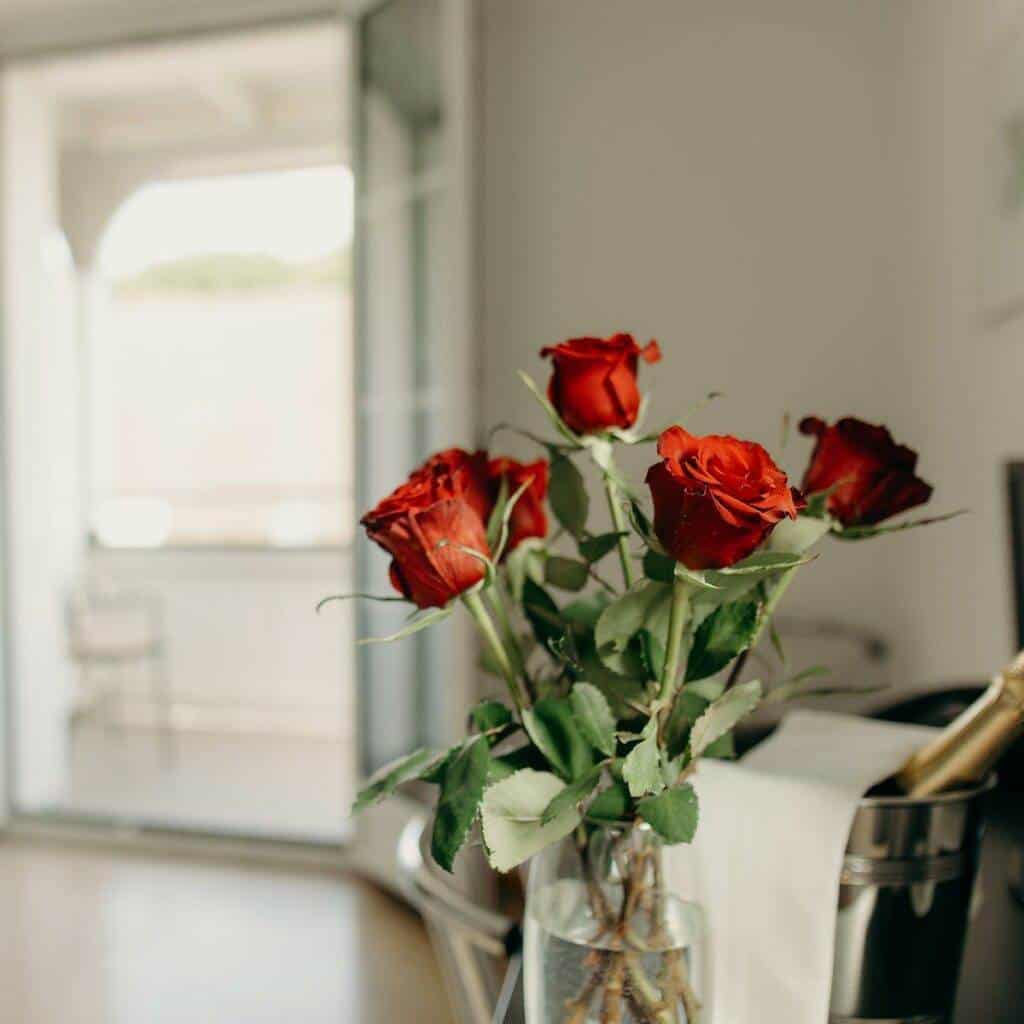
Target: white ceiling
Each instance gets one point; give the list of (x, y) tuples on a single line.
[(245, 90), (29, 27)]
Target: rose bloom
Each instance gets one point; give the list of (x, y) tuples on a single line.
[(440, 502), (716, 498), (469, 472), (870, 476), (528, 518), (593, 385)]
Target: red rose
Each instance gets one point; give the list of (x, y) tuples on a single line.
[(716, 498), (593, 386), (468, 472), (528, 518), (441, 501), (872, 477)]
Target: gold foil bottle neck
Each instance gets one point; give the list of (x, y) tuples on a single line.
[(968, 749)]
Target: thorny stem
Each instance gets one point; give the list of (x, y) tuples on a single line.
[(618, 980), (767, 610), (611, 490), (737, 668), (676, 623), (478, 611), (496, 599)]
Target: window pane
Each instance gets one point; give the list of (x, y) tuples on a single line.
[(220, 357)]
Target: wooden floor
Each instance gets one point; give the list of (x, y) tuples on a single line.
[(92, 936)]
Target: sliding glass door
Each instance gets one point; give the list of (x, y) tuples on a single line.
[(236, 311)]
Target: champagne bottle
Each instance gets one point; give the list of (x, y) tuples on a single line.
[(968, 748)]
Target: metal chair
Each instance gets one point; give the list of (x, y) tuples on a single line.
[(478, 948), (111, 634)]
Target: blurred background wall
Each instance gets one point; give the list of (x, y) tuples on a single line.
[(788, 196)]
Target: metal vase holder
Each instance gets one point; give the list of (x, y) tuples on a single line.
[(904, 901)]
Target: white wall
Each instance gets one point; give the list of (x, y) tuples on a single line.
[(966, 381), (727, 177)]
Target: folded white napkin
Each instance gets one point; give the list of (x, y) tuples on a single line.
[(766, 861)]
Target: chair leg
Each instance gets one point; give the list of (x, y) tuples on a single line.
[(161, 695)]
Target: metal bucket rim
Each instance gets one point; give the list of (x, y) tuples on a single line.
[(954, 796)]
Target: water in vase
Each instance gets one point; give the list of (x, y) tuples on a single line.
[(641, 966)]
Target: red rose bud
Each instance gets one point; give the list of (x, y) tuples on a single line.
[(425, 524), (593, 385), (716, 498), (528, 518), (869, 476)]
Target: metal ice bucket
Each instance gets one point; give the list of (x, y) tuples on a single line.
[(904, 897)]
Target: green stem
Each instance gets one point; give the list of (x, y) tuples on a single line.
[(496, 599), (676, 624), (490, 636), (767, 610), (619, 524)]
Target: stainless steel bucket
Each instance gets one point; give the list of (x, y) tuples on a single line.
[(904, 896)]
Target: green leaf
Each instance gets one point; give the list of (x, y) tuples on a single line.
[(728, 585), (593, 549), (776, 641), (808, 684), (672, 814), (618, 689), (489, 715), (511, 813), (431, 617), (497, 515), (643, 606), (641, 769), (542, 613), (798, 535), (462, 787), (699, 578), (553, 729), (727, 631), (762, 564), (567, 496), (384, 782), (659, 567), (585, 611), (566, 573), (723, 714), (526, 756), (817, 504), (611, 804), (358, 595), (594, 716), (556, 421), (640, 522), (864, 532), (723, 749), (686, 709), (709, 689), (525, 562), (501, 540), (573, 795)]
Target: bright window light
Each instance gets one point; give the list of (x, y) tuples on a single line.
[(220, 364)]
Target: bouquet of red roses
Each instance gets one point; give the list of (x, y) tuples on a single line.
[(618, 681)]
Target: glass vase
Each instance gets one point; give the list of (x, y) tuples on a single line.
[(605, 941)]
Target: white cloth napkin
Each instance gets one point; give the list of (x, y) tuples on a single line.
[(766, 860)]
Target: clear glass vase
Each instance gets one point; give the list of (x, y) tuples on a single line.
[(605, 941)]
